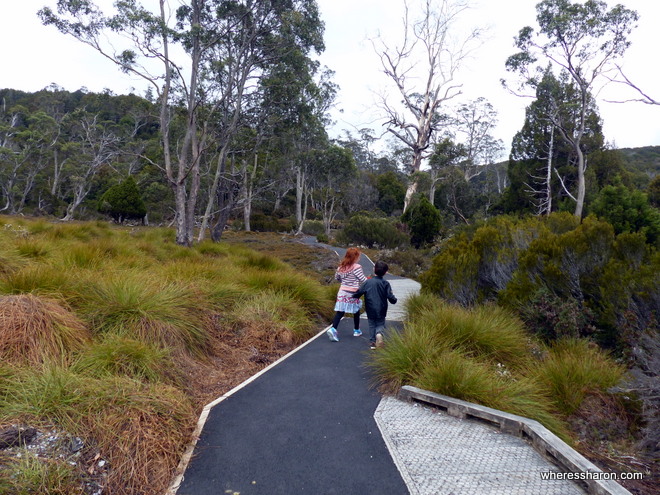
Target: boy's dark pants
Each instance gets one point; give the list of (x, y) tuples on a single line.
[(376, 326)]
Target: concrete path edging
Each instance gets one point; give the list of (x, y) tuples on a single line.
[(542, 439)]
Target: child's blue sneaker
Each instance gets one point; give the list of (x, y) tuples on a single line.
[(332, 334), (357, 332)]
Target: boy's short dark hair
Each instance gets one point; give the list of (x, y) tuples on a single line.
[(380, 268)]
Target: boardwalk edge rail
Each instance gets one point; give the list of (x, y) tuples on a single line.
[(542, 439)]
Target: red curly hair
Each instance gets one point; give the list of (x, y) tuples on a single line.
[(351, 256)]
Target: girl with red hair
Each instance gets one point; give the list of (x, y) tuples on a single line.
[(350, 276)]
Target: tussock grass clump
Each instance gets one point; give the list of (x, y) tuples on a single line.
[(454, 374), (28, 474), (305, 291), (93, 254), (140, 428), (418, 304), (212, 249), (121, 356), (150, 310), (404, 357), (575, 368), (9, 262), (252, 259), (32, 248), (487, 332), (39, 278), (80, 231), (35, 330), (270, 319)]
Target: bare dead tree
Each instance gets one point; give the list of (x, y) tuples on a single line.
[(541, 185), (423, 68)]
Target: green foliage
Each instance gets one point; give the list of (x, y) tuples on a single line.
[(551, 317), (260, 222), (653, 192), (573, 369), (405, 262), (368, 231), (123, 201), (628, 210), (424, 221), (391, 192), (313, 227), (477, 263), (566, 278), (642, 163)]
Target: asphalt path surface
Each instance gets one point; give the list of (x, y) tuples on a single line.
[(304, 426)]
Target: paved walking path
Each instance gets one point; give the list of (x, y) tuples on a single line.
[(313, 424)]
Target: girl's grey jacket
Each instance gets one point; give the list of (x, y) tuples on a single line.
[(377, 292)]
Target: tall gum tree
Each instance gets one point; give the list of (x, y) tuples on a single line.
[(199, 61), (583, 39), (423, 68), (148, 40)]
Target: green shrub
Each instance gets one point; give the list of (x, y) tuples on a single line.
[(551, 317), (408, 263), (474, 265), (367, 231), (628, 210), (424, 221), (260, 222), (313, 227), (123, 201), (322, 238)]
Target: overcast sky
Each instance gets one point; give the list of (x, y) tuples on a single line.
[(34, 56)]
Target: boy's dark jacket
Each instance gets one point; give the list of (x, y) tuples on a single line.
[(377, 291)]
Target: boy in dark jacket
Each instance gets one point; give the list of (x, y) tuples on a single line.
[(377, 292)]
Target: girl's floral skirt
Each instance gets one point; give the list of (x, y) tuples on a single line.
[(347, 303)]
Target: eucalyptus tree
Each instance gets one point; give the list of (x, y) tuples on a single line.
[(26, 139), (208, 53), (583, 39), (148, 36), (257, 36), (92, 144), (13, 153), (472, 125), (541, 165), (423, 68), (334, 169), (446, 156), (298, 94)]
